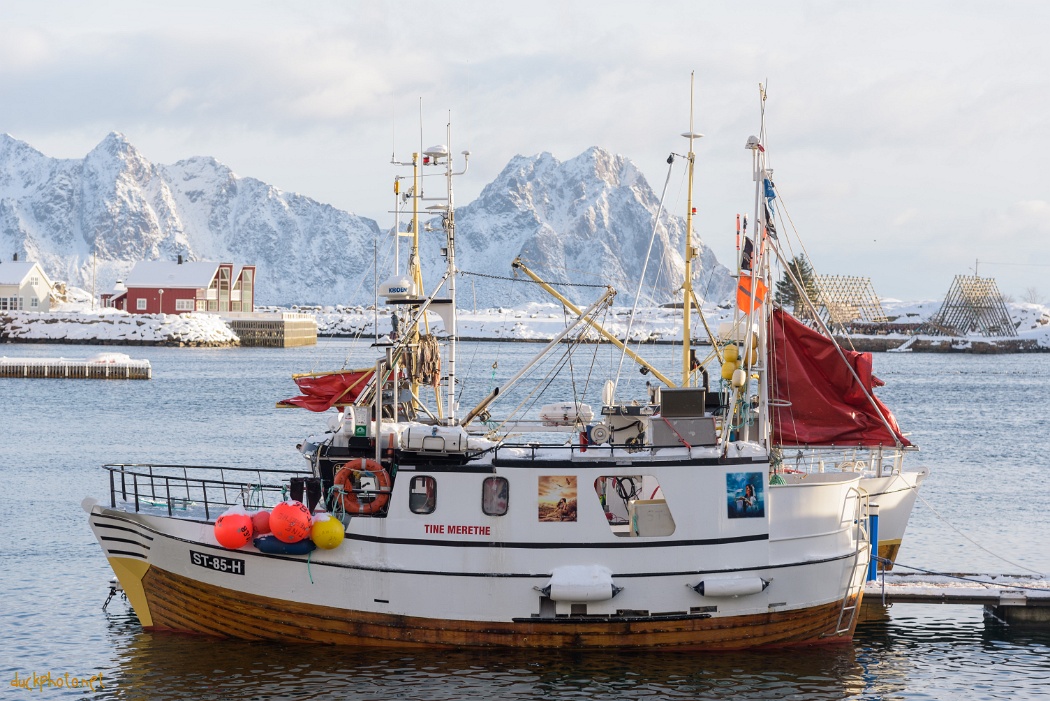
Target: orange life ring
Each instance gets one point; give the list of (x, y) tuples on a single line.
[(352, 502)]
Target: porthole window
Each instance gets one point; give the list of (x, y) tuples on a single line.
[(495, 495), (422, 495)]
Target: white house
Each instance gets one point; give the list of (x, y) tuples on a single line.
[(24, 286)]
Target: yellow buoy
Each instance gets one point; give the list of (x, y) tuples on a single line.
[(731, 353), (751, 357), (728, 369), (327, 532)]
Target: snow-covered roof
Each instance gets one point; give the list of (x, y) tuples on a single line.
[(167, 273), (13, 273), (119, 290)]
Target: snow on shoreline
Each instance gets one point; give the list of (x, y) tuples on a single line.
[(541, 321), (77, 323), (109, 326)]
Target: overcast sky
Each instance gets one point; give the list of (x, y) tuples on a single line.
[(907, 138)]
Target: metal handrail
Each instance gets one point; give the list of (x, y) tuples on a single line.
[(573, 449), (161, 485)]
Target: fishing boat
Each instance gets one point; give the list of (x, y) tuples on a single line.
[(823, 409), (650, 523), (824, 414)]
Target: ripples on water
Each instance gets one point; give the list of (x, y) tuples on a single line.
[(982, 423), (904, 657)]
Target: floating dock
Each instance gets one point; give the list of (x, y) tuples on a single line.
[(1022, 599), (104, 366)]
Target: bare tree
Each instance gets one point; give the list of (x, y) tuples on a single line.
[(1033, 296)]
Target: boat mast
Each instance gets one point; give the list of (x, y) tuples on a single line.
[(761, 271), (690, 251), (450, 242)]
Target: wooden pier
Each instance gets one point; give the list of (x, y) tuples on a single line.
[(108, 366), (1020, 599), (274, 330)]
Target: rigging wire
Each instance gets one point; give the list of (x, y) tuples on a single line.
[(645, 266), (533, 396), (594, 356), (528, 280), (996, 555), (354, 346)]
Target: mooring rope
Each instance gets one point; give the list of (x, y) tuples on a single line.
[(962, 578), (996, 555)]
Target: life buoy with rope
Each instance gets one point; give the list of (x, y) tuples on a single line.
[(368, 501)]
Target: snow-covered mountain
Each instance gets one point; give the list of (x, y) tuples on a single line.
[(116, 203), (588, 220)]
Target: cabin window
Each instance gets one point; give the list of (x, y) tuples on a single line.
[(34, 302), (495, 494), (201, 305), (634, 506), (422, 494), (140, 304), (184, 305)]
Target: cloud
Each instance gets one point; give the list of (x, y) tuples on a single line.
[(876, 113)]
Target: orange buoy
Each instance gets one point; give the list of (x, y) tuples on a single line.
[(261, 522), (290, 521), (233, 529), (351, 473)]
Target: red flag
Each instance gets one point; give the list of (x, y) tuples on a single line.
[(322, 392)]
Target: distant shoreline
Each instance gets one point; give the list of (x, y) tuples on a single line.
[(517, 326), (864, 344)]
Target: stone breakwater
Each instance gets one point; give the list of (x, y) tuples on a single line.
[(116, 329)]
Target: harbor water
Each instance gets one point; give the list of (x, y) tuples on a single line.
[(982, 423)]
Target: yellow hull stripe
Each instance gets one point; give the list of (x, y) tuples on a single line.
[(129, 573)]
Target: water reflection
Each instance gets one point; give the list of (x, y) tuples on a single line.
[(944, 652), (950, 652), (173, 666)]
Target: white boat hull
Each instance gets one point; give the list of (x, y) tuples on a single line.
[(383, 587), (896, 495)]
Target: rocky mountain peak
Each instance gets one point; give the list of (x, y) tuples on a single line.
[(588, 219)]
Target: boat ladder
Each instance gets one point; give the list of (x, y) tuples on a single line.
[(854, 590)]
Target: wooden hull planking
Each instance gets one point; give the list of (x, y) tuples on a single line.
[(182, 604)]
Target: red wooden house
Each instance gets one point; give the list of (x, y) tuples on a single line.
[(177, 287)]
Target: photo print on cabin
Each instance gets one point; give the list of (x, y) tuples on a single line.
[(745, 496), (557, 498)]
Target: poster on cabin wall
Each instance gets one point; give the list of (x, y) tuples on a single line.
[(557, 498), (745, 495)]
